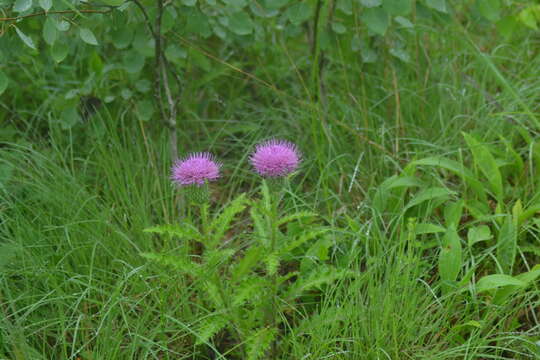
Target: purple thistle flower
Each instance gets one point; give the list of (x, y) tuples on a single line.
[(275, 158), (195, 169)]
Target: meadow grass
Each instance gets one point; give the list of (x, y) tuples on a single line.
[(73, 283)]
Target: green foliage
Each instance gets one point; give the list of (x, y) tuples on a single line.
[(242, 287)]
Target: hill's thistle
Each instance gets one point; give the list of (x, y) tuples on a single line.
[(195, 169), (275, 158)]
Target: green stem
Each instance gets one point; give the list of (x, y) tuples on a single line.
[(274, 278)]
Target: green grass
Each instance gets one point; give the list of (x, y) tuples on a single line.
[(73, 206)]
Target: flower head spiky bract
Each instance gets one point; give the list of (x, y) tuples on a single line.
[(195, 169), (275, 158)]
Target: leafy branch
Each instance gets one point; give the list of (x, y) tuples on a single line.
[(47, 13)]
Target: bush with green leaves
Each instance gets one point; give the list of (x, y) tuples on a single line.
[(77, 55)]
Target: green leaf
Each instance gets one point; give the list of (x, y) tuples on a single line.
[(528, 17), (144, 110), (376, 19), (222, 222), (113, 2), (175, 53), (384, 195), (3, 82), (490, 9), (296, 216), (259, 344), (22, 5), (450, 256), (133, 62), (320, 275), (458, 169), (197, 23), (143, 85), (248, 289), (249, 262), (492, 282), (478, 233), (87, 36), (507, 245), (122, 37), (49, 31), (397, 7), (406, 23), (62, 25), (401, 54), (180, 264), (452, 214), (26, 39), (299, 12), (507, 26), (210, 327), (237, 4), (69, 118), (59, 51), (487, 164), (346, 6), (240, 23), (45, 4), (272, 263), (302, 239), (189, 2), (275, 4), (185, 230), (426, 228), (339, 28), (370, 3), (429, 195), (439, 5)]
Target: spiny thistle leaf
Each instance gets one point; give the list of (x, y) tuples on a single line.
[(305, 237), (248, 289), (250, 260), (222, 222), (212, 293), (260, 228), (210, 327), (182, 265), (213, 258), (185, 230), (296, 216), (321, 275), (272, 263), (259, 344)]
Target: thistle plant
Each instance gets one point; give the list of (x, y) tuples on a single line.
[(249, 273)]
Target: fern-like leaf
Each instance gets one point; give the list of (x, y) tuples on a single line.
[(248, 289), (296, 216), (222, 222), (210, 327), (259, 344), (176, 262), (213, 294), (250, 261), (186, 231), (259, 227), (305, 237), (321, 275), (272, 263)]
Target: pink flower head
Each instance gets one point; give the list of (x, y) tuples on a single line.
[(275, 158), (196, 168)]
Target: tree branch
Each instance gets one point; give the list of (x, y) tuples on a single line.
[(46, 13)]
